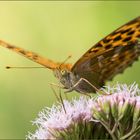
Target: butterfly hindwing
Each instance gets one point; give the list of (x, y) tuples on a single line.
[(117, 64)]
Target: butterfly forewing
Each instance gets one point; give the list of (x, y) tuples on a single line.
[(110, 55)]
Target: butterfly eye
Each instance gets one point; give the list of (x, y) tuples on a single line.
[(63, 72)]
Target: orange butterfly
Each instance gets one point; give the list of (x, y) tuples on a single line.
[(100, 63)]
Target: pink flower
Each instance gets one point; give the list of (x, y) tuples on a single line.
[(107, 116)]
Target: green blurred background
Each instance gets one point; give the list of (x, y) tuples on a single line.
[(55, 30)]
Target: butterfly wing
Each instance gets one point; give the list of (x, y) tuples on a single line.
[(110, 55), (35, 57)]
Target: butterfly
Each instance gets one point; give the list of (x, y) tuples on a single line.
[(110, 56)]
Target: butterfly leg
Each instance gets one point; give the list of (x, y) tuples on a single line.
[(95, 88), (81, 80), (76, 84)]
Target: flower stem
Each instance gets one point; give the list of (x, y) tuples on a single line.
[(109, 131)]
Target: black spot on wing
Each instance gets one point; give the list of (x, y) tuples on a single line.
[(117, 38), (108, 46), (130, 32), (127, 39), (99, 45), (106, 40), (125, 31), (138, 36)]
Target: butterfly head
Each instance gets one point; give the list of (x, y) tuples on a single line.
[(65, 77)]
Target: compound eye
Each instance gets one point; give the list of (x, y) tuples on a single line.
[(63, 72)]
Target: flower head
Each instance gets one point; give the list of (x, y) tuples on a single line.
[(55, 119), (114, 116)]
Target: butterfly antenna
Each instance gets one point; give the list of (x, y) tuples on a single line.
[(10, 67), (65, 60)]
